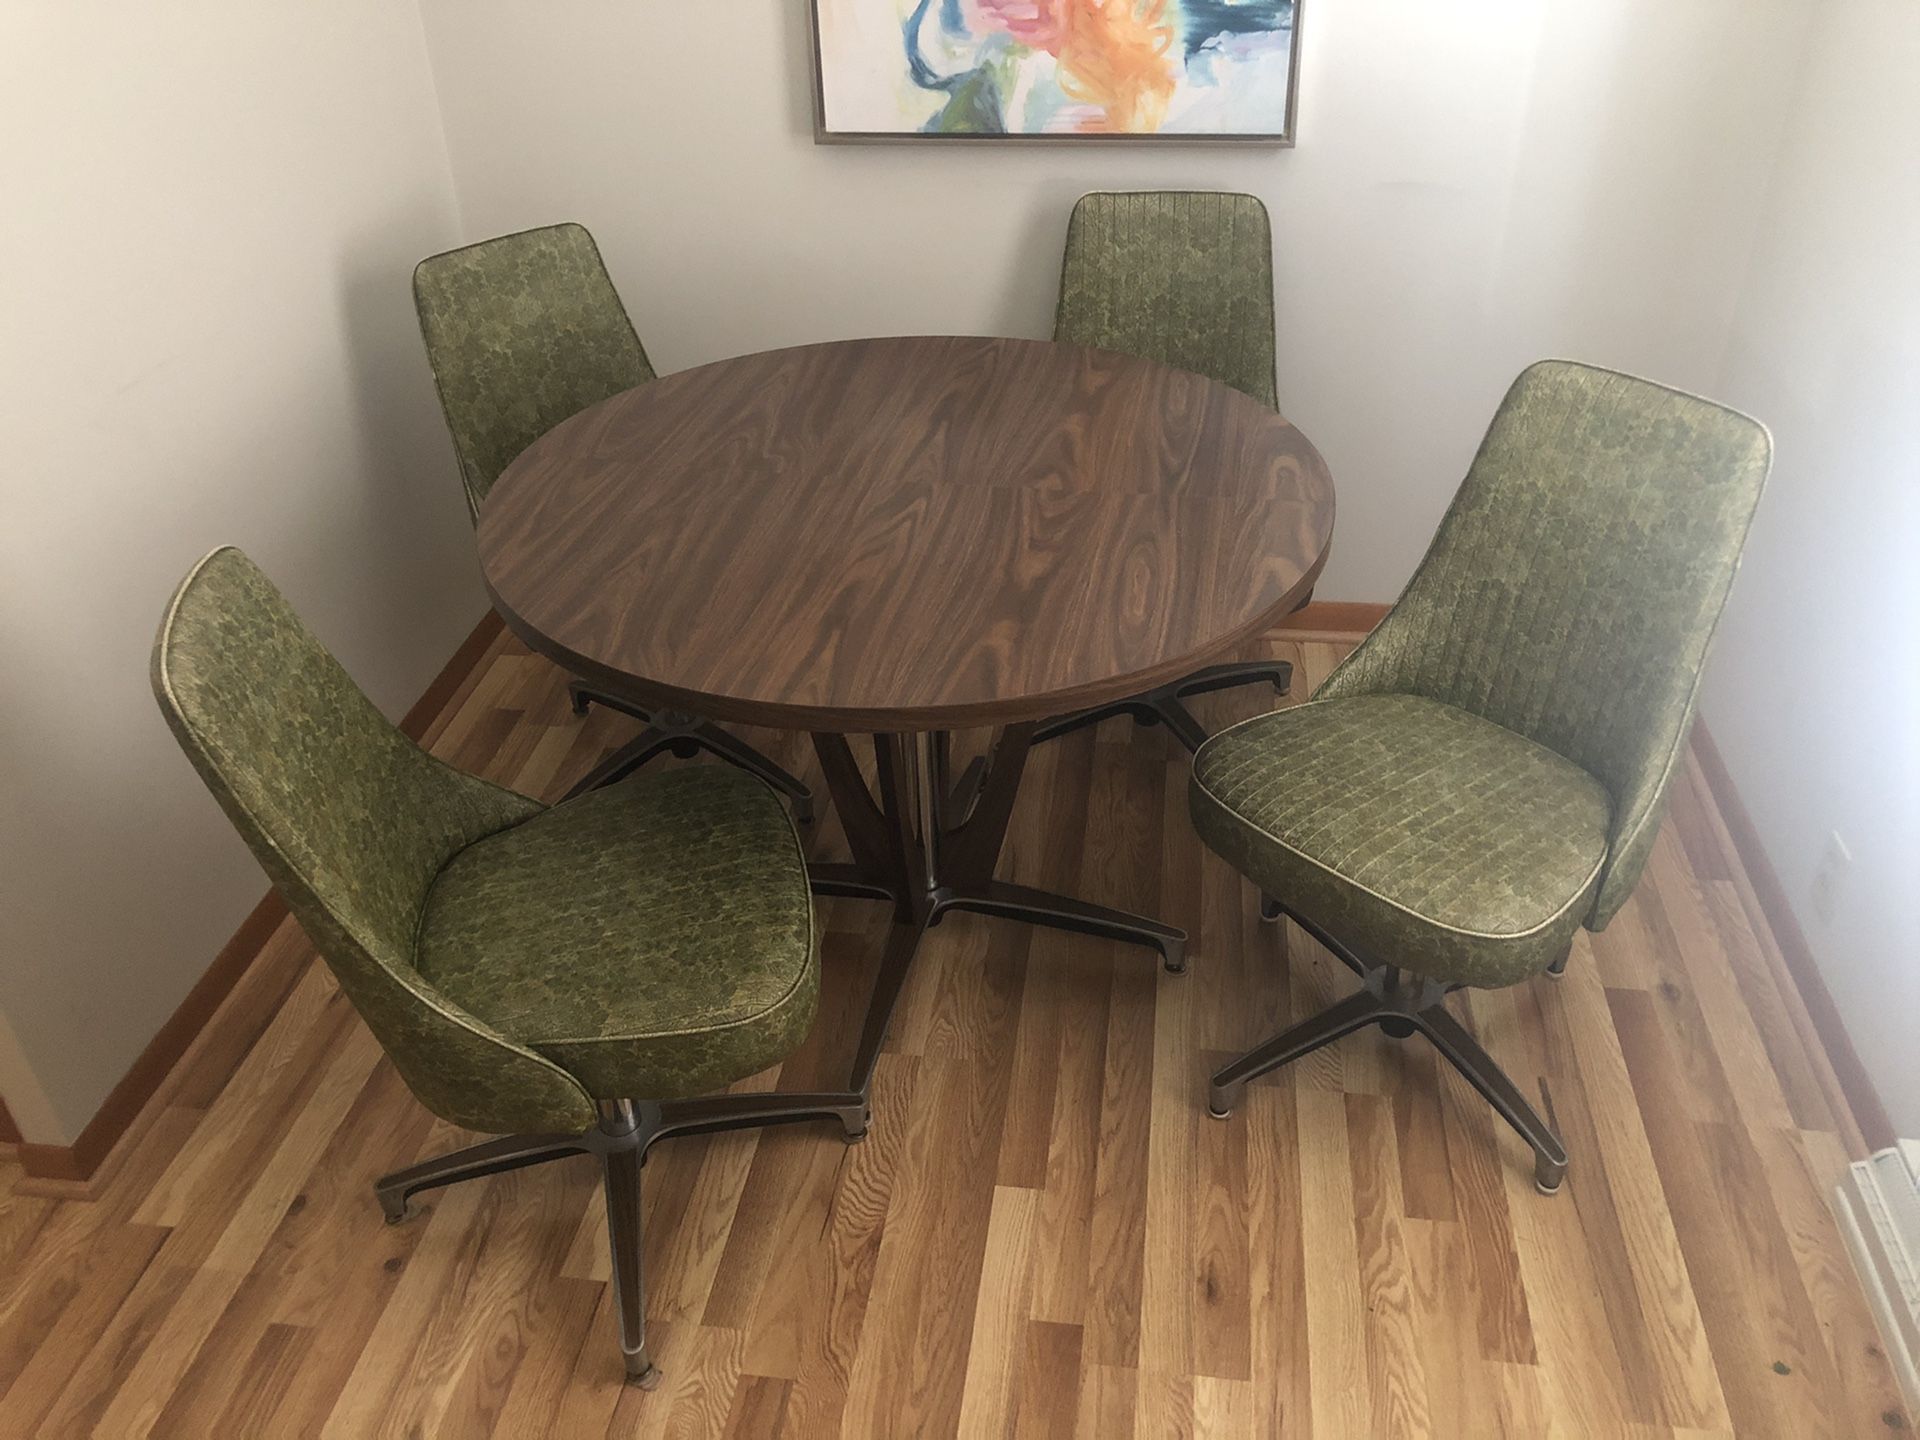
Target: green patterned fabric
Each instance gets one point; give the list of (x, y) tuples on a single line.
[(1184, 277), (1567, 601), (653, 939), (352, 821), (522, 332), (1417, 833), (1575, 583), (374, 843)]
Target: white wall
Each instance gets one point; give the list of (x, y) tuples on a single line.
[(1475, 186), (208, 212), (1815, 697)]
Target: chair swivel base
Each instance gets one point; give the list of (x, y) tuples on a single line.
[(627, 1130), (1164, 706), (684, 736), (1400, 1006)]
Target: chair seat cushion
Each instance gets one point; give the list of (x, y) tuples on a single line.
[(1416, 833), (654, 939)]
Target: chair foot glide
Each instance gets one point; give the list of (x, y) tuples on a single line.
[(1222, 1100)]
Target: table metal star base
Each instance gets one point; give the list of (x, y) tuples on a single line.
[(928, 844)]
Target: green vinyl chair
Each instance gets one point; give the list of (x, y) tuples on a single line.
[(523, 331), (1485, 773), (1184, 277), (572, 977)]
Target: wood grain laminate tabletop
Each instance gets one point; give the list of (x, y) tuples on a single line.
[(905, 534)]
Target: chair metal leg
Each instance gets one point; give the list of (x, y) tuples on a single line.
[(1141, 710), (1270, 909), (1353, 1013), (1558, 969), (495, 1157), (580, 695), (1277, 673), (1400, 1005), (1180, 723), (620, 1156), (624, 761), (685, 736), (1163, 705), (1451, 1039), (734, 1112), (627, 1129), (736, 751)]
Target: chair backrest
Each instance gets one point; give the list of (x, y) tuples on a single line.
[(1184, 277), (522, 332), (352, 821), (1574, 585)]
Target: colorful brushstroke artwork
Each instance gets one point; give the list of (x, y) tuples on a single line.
[(1055, 68)]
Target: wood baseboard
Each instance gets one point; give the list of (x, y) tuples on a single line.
[(79, 1161), (1856, 1086), (1342, 619), (77, 1164), (435, 697)]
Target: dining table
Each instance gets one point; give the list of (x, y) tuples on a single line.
[(883, 541)]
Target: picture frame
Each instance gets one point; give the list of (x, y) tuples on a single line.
[(876, 82)]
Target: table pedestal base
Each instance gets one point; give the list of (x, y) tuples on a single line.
[(927, 844)]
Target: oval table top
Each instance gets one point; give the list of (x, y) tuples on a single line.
[(911, 533)]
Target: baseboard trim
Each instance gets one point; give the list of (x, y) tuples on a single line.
[(447, 683), (78, 1164), (1856, 1087), (79, 1161), (1342, 619)]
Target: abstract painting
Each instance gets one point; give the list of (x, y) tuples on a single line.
[(1055, 69)]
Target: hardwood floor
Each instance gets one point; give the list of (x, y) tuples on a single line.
[(1044, 1234)]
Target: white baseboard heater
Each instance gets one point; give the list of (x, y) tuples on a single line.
[(1879, 1209)]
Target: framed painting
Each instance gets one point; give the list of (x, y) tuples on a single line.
[(1136, 70)]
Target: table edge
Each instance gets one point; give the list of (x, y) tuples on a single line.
[(883, 719)]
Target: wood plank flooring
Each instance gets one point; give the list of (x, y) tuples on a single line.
[(1044, 1234)]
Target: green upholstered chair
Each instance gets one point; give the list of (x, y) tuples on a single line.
[(522, 332), (569, 976), (1184, 277), (1485, 773)]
